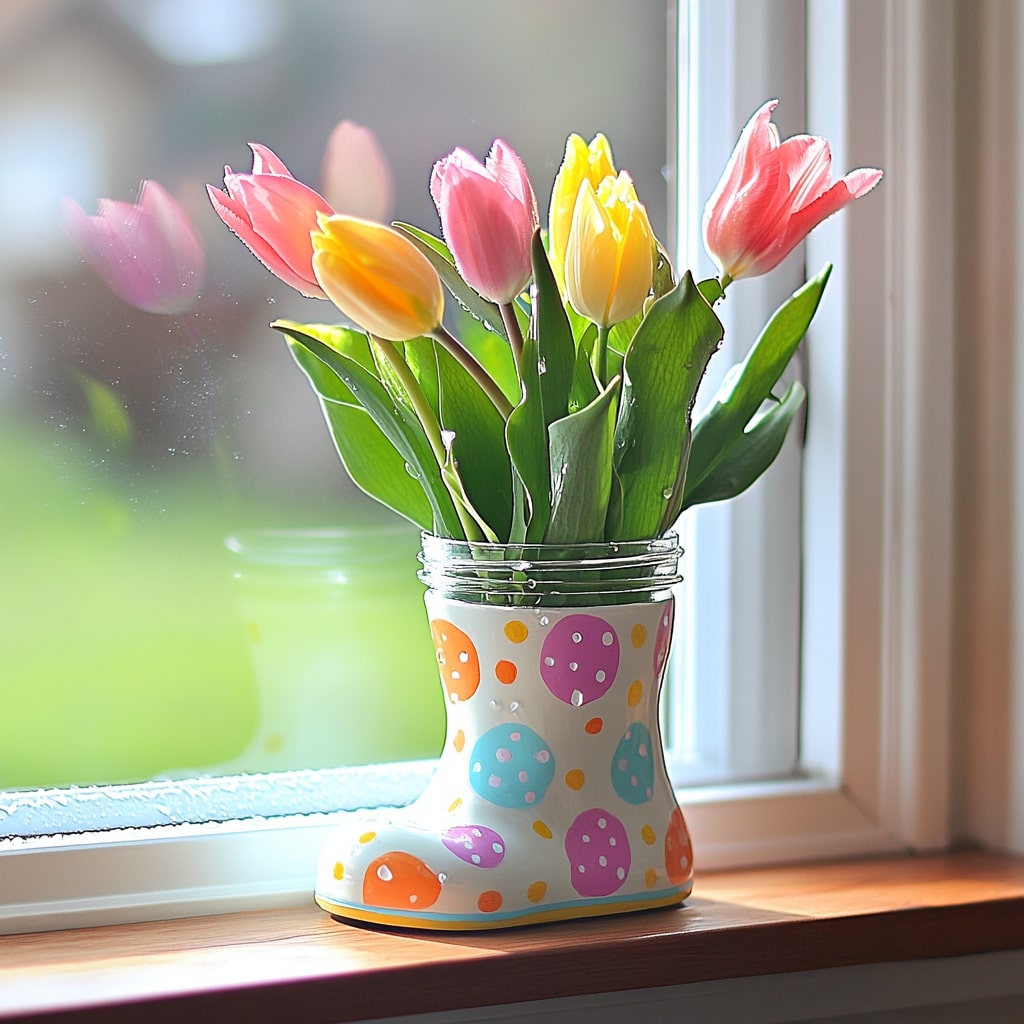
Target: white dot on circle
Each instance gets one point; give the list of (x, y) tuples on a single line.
[(607, 639), (573, 666), (524, 776), (497, 848), (611, 840), (585, 838), (576, 699), (602, 822), (475, 858), (603, 861), (463, 657), (494, 781), (600, 675), (413, 898), (620, 874), (577, 638), (549, 662), (384, 873)]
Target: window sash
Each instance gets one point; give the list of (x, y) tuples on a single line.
[(876, 542)]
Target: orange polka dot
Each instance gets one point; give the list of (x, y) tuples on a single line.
[(542, 830), (457, 660), (650, 878), (678, 852), (635, 693), (339, 871), (594, 726), (648, 836), (574, 779), (638, 636), (489, 901), (537, 892), (506, 672), (367, 837), (400, 881), (459, 741), (516, 631)]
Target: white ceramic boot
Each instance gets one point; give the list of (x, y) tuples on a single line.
[(551, 798)]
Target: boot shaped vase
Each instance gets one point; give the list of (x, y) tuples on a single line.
[(550, 799)]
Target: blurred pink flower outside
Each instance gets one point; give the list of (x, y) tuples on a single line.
[(355, 176), (147, 252)]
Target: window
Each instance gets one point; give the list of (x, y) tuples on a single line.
[(862, 764)]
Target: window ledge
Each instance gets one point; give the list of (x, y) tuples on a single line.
[(300, 965)]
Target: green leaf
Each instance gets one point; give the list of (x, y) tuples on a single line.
[(663, 369), (109, 416), (584, 385), (478, 448), (581, 447), (491, 350), (749, 384), (373, 462), (548, 359), (750, 455), (347, 380), (444, 263), (556, 349)]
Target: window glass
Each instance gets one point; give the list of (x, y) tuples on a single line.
[(188, 581)]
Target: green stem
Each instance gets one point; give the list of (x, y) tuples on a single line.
[(425, 414), (599, 357), (725, 281), (487, 383), (515, 334)]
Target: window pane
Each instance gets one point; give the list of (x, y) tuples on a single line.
[(188, 582)]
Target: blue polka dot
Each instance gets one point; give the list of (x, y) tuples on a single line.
[(511, 766), (633, 765)]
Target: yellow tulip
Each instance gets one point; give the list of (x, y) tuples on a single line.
[(609, 260), (377, 277), (581, 163)]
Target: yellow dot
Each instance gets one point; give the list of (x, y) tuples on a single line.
[(651, 878), (339, 871), (506, 672), (648, 836), (455, 804), (574, 779), (542, 830), (594, 726), (516, 631), (638, 636), (459, 741), (368, 837), (537, 892), (489, 901), (636, 692)]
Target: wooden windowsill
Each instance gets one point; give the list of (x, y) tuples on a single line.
[(300, 965)]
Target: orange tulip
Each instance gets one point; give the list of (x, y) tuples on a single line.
[(377, 278)]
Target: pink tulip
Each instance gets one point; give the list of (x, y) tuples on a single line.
[(273, 214), (147, 252), (355, 177), (488, 216), (772, 195)]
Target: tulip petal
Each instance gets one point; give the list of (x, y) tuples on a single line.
[(771, 195)]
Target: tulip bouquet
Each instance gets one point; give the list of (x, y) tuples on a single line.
[(559, 408)]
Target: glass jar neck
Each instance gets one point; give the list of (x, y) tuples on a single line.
[(551, 575)]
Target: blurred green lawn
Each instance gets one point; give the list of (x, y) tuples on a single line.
[(128, 650)]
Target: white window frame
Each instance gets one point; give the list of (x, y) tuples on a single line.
[(877, 517)]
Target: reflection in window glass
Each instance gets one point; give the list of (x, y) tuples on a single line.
[(188, 582)]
